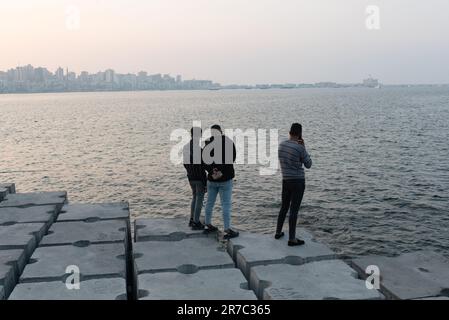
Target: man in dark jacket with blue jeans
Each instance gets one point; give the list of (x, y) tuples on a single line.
[(192, 154), (292, 156)]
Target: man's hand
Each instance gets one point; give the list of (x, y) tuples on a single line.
[(301, 142)]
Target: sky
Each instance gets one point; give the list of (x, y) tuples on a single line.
[(233, 41)]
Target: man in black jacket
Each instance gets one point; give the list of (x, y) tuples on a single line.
[(219, 155), (192, 154)]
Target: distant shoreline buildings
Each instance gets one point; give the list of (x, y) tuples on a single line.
[(28, 79)]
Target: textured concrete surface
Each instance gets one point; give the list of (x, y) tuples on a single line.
[(12, 263), (409, 276), (67, 233), (45, 214), (35, 199), (251, 249), (321, 280), (155, 229), (93, 261), (98, 289), (220, 284), (10, 187), (22, 236), (92, 212), (183, 256)]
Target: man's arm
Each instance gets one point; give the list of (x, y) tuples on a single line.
[(305, 158)]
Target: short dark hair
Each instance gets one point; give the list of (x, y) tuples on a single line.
[(296, 130), (216, 127)]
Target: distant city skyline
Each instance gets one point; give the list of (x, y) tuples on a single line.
[(233, 41)]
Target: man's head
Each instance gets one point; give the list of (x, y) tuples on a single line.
[(196, 133), (216, 130), (296, 131)]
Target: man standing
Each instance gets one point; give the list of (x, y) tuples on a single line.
[(192, 155), (219, 155), (292, 157)]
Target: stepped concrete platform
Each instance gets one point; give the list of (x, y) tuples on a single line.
[(84, 233), (94, 262), (23, 200), (46, 214), (320, 280), (251, 250), (94, 212), (185, 256), (12, 263), (409, 276), (219, 284), (23, 236), (97, 289), (160, 229)]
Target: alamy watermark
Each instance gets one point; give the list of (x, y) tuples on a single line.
[(373, 280), (372, 21), (73, 281), (252, 146)]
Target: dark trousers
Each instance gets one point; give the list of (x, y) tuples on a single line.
[(292, 193)]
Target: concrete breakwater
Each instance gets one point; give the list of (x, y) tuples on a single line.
[(53, 249)]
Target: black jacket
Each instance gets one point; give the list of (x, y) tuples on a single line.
[(195, 172), (226, 167)]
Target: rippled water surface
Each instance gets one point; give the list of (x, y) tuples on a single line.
[(379, 183)]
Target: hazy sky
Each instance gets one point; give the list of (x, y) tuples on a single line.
[(232, 41)]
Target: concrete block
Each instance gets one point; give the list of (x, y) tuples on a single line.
[(94, 212), (23, 200), (12, 263), (80, 232), (160, 229), (320, 280), (46, 214), (94, 262), (409, 276), (10, 187), (97, 289), (220, 284), (251, 249), (185, 256), (24, 236)]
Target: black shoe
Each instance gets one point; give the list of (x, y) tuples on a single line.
[(210, 228), (197, 226), (191, 222), (229, 234), (277, 236), (296, 242)]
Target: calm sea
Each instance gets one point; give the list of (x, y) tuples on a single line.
[(379, 183)]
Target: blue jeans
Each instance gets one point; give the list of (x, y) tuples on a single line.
[(197, 200), (225, 191)]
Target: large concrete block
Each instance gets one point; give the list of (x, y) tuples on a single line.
[(80, 232), (46, 214), (221, 284), (185, 256), (93, 261), (10, 187), (94, 212), (320, 280), (23, 200), (11, 265), (251, 249), (409, 276), (22, 236), (160, 229), (97, 289)]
